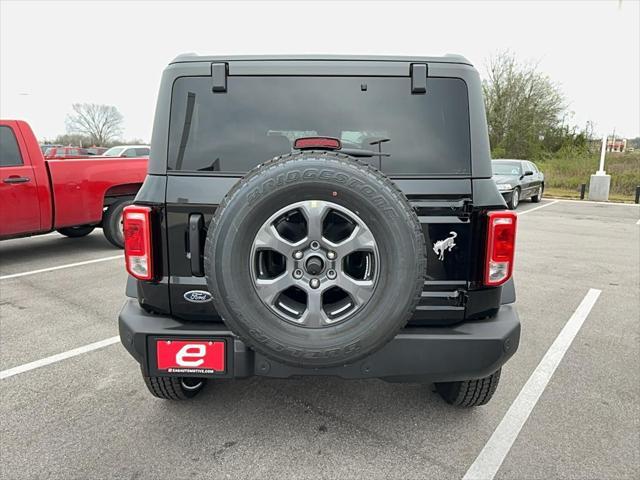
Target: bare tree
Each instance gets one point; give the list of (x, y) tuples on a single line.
[(523, 107), (101, 123)]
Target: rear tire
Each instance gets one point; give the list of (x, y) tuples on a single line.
[(112, 222), (76, 232), (469, 393), (537, 197), (515, 199), (174, 388)]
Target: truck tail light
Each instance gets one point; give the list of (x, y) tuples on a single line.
[(501, 247), (137, 241)]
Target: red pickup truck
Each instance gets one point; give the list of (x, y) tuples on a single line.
[(72, 196)]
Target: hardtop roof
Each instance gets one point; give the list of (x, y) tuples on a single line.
[(447, 58)]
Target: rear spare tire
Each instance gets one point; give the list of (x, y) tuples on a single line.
[(315, 260)]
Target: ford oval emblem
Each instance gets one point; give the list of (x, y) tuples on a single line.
[(197, 296)]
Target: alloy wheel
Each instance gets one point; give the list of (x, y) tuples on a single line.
[(314, 263)]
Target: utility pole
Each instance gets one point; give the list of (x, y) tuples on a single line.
[(603, 151), (613, 139), (600, 182)]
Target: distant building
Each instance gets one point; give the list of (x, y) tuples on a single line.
[(616, 144)]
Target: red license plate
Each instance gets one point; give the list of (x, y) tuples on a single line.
[(190, 356)]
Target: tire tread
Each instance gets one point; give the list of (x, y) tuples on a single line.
[(108, 227), (469, 393), (167, 388)]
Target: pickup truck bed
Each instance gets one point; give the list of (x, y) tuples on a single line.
[(80, 186)]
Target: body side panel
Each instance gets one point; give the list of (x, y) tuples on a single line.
[(79, 186)]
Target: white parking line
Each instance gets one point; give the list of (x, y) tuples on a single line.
[(60, 267), (538, 208), (494, 452), (58, 357), (638, 222), (619, 204)]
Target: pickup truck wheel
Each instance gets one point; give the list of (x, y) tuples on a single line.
[(75, 232), (315, 259), (469, 393), (174, 388), (112, 222)]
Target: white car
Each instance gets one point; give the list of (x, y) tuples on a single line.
[(131, 151)]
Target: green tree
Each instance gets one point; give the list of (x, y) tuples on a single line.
[(524, 109)]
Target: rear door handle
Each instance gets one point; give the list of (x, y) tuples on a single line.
[(16, 179)]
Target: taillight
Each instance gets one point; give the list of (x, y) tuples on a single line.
[(328, 143), (137, 241), (501, 247)]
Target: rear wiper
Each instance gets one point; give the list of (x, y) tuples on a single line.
[(359, 152), (370, 153)]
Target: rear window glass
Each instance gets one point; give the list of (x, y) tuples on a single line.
[(258, 118)]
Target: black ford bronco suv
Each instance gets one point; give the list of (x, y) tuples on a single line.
[(313, 215)]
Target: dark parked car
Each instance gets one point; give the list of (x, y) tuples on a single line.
[(46, 146), (320, 216), (96, 150), (60, 153), (518, 180)]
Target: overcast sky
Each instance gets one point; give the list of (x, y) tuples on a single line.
[(53, 54)]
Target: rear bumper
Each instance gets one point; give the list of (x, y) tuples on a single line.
[(465, 351)]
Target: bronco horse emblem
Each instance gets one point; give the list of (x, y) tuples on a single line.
[(447, 244)]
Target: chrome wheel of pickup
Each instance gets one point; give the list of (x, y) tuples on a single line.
[(314, 263)]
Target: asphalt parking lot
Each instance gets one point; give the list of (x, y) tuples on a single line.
[(90, 416)]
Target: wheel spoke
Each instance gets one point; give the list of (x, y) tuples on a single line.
[(314, 316), (269, 238), (360, 239), (268, 289), (360, 291), (314, 212)]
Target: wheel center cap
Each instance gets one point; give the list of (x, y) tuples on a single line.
[(314, 265)]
